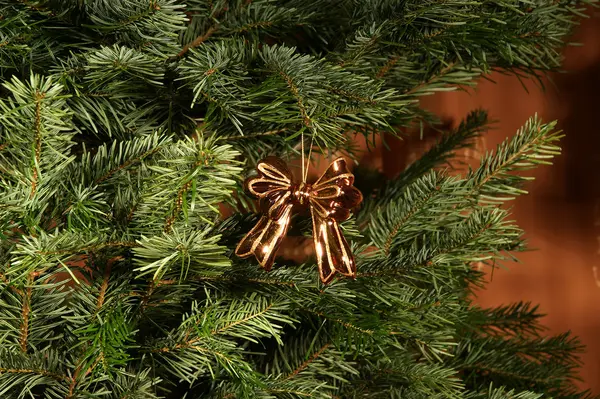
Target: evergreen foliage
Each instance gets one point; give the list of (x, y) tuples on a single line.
[(126, 126)]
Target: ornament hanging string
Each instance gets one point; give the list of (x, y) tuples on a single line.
[(305, 165), (302, 154)]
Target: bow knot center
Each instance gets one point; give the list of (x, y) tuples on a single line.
[(301, 193)]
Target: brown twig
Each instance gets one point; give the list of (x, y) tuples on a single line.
[(125, 165), (104, 287), (35, 6), (73, 383), (481, 367), (308, 361), (294, 89), (261, 24), (178, 205), (147, 295), (352, 96), (25, 311), (262, 134), (388, 65), (198, 41)]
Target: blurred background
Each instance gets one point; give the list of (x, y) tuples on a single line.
[(561, 216)]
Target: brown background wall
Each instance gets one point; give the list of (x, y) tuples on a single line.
[(562, 214)]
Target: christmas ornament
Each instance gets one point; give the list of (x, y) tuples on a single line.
[(330, 200)]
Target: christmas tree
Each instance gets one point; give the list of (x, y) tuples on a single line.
[(127, 128)]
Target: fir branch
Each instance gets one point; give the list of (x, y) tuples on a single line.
[(153, 7), (231, 278), (90, 248), (294, 90), (254, 135), (434, 78), (73, 384), (484, 368), (46, 373), (436, 157), (341, 322), (533, 145), (242, 321), (36, 112), (34, 5), (293, 392), (253, 25), (177, 208), (387, 246), (520, 318), (37, 137), (433, 200), (171, 186), (127, 164)]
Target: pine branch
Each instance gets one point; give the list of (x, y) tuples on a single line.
[(177, 208), (127, 164), (387, 246), (46, 373), (492, 370), (341, 322), (242, 321), (38, 142), (436, 157), (294, 90), (532, 145), (254, 135)]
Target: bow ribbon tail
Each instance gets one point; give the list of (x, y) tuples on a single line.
[(332, 249), (266, 236)]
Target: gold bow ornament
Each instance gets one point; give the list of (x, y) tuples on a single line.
[(330, 199)]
